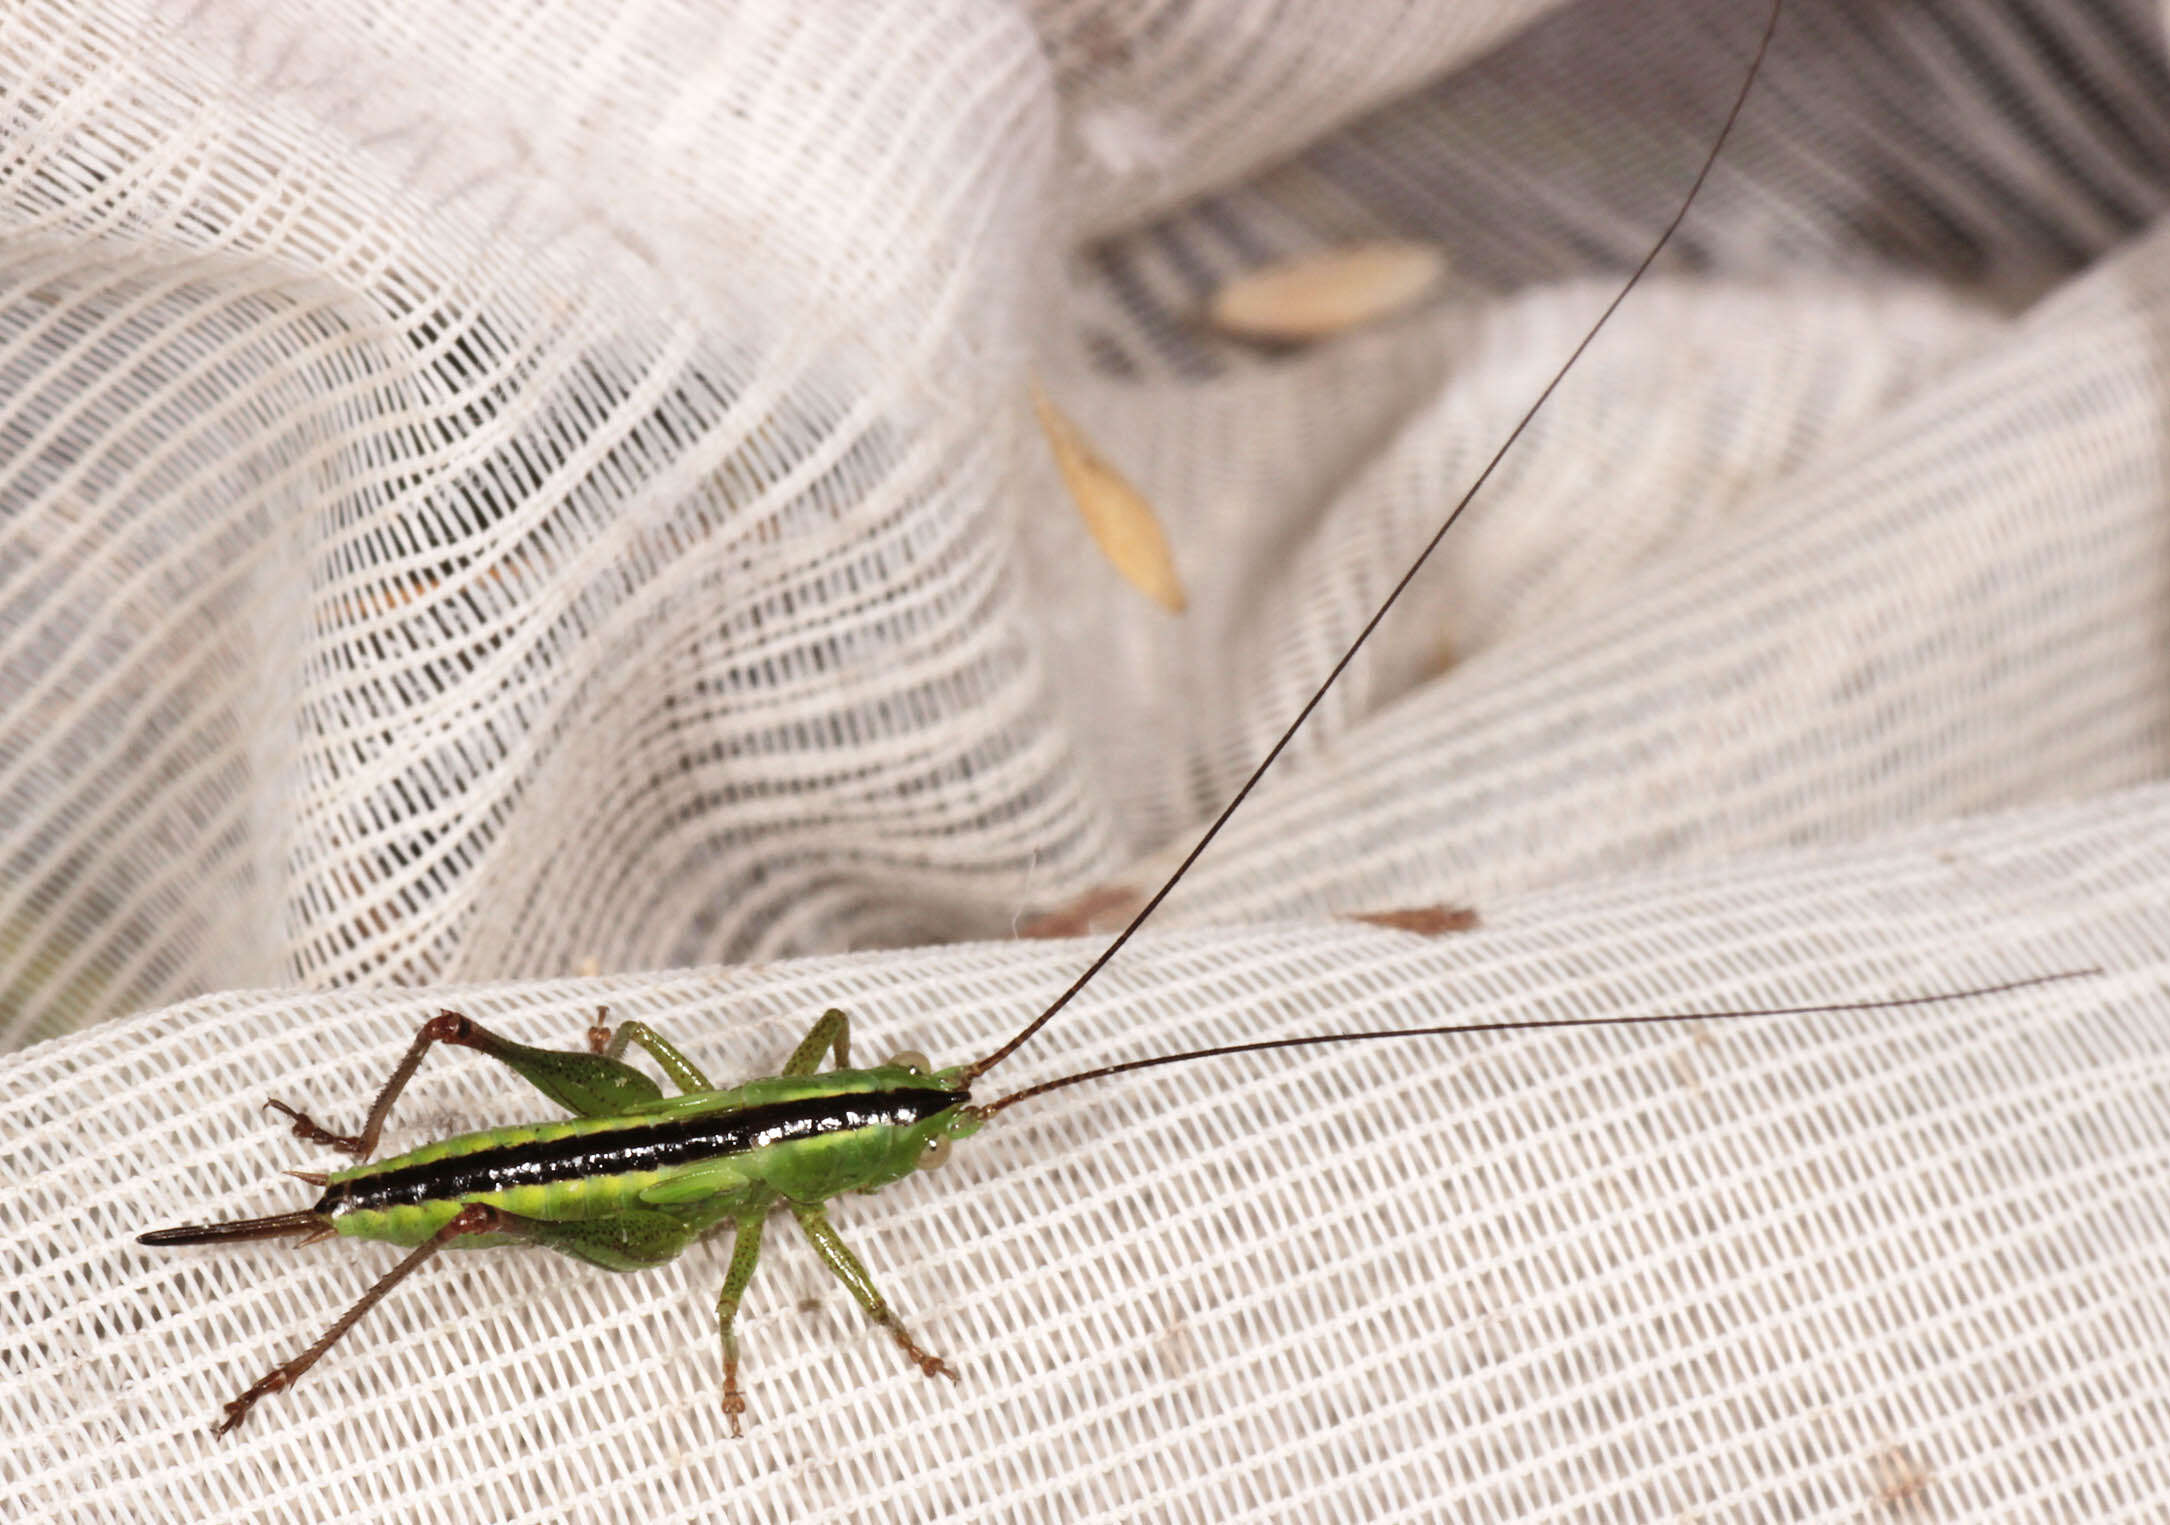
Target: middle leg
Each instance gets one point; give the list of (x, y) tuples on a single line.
[(612, 1044), (745, 1255)]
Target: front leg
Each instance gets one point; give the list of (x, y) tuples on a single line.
[(852, 1274), (831, 1029)]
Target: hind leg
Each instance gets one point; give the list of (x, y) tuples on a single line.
[(588, 1085)]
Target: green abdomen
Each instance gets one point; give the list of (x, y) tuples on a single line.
[(590, 1168)]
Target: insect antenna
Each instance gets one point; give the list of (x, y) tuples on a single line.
[(1273, 753), (1314, 1040)]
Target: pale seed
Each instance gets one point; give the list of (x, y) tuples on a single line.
[(1318, 295), (1120, 519)]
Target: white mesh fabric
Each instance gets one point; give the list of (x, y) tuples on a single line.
[(479, 498), (468, 524), (1731, 1271)]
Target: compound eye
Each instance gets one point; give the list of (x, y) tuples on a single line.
[(918, 1063), (936, 1153)]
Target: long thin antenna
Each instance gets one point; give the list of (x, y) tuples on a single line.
[(1316, 1039), (1273, 754)]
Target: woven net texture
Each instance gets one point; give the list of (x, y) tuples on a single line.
[(487, 495)]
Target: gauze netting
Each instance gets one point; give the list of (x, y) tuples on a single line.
[(496, 492)]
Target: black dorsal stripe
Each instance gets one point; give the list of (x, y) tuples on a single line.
[(641, 1146)]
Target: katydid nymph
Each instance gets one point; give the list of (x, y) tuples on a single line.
[(635, 1176)]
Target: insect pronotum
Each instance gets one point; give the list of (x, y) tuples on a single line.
[(634, 1176)]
